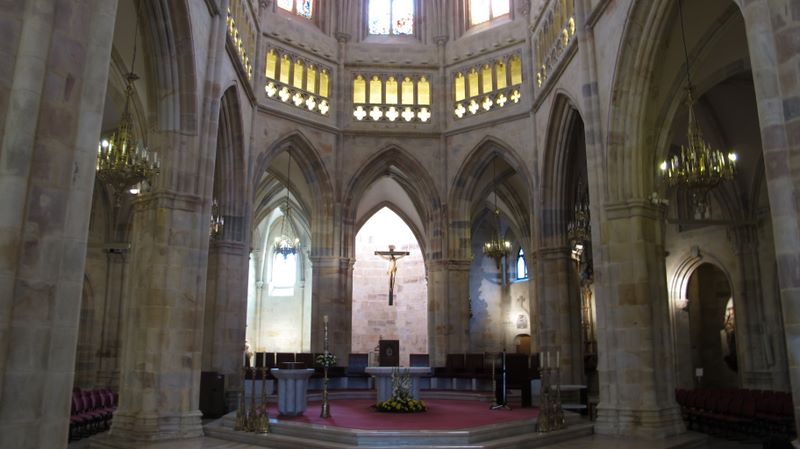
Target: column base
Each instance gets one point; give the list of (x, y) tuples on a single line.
[(131, 430), (651, 424)]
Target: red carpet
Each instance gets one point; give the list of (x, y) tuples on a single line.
[(442, 414)]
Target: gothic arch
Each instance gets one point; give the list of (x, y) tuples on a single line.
[(415, 180), (229, 171), (559, 161), (642, 36), (418, 234), (167, 33), (467, 184), (316, 176)]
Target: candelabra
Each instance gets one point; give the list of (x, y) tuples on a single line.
[(252, 417), (241, 412), (262, 425), (326, 408), (551, 415)]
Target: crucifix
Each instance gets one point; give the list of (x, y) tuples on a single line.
[(392, 257)]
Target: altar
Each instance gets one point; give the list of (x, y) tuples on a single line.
[(292, 386), (383, 379)]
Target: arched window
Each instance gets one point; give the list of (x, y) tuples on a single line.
[(522, 266), (481, 11), (283, 275), (391, 17), (303, 8)]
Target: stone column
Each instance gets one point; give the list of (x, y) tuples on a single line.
[(559, 318), (54, 74), (448, 308), (226, 313), (162, 343), (772, 27), (331, 295), (637, 386), (113, 305)]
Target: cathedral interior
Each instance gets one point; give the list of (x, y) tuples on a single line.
[(609, 183)]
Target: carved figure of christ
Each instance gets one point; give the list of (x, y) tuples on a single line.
[(392, 257)]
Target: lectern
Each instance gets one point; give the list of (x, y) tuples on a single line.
[(389, 352)]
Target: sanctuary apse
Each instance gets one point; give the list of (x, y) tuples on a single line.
[(305, 120)]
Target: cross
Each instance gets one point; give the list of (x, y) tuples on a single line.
[(392, 257)]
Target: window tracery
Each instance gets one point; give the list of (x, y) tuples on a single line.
[(391, 17), (552, 37), (302, 8), (383, 97), (242, 34), (303, 82), (487, 86), (482, 11)]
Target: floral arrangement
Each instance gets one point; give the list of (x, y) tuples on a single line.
[(328, 359), (401, 400), (401, 405)]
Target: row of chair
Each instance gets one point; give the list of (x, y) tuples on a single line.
[(91, 412), (734, 412)]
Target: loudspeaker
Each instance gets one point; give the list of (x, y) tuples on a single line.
[(212, 394)]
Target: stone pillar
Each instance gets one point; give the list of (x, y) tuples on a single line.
[(637, 386), (331, 295), (226, 313), (113, 305), (55, 57), (458, 306), (162, 342), (448, 308), (772, 27), (759, 341), (437, 317), (559, 318)]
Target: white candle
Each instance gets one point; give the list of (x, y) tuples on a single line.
[(325, 319), (547, 359), (558, 356)]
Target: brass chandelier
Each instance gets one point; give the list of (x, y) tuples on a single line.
[(698, 167), (217, 223), (495, 247), (123, 161), (287, 242)]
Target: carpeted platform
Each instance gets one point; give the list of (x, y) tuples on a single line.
[(442, 414)]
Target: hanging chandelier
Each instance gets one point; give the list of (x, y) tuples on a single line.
[(287, 242), (579, 230), (698, 167), (217, 222), (122, 161), (495, 247)]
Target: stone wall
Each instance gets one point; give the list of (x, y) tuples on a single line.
[(373, 318)]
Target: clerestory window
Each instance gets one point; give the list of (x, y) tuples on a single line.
[(303, 8), (481, 11), (391, 17)]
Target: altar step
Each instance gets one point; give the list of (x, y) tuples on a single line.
[(292, 435)]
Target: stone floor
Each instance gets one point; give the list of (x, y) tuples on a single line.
[(593, 442)]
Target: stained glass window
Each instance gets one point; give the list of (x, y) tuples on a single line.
[(391, 90), (522, 266), (284, 275), (481, 11), (303, 8), (460, 86), (408, 91), (391, 17)]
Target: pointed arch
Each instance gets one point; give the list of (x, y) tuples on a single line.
[(417, 183), (418, 233), (229, 167), (642, 35), (167, 35), (316, 176), (465, 192), (558, 189)]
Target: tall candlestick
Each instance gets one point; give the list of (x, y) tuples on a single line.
[(325, 319), (558, 356), (547, 359)]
